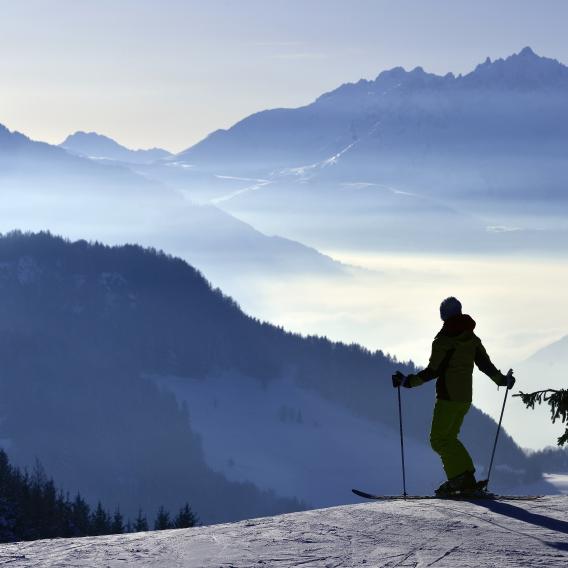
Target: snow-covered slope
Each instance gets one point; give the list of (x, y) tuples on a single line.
[(295, 442), (445, 534)]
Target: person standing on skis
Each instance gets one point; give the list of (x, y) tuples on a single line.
[(455, 351)]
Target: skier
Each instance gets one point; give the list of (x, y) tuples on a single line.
[(455, 350)]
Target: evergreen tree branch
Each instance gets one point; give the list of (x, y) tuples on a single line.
[(557, 400)]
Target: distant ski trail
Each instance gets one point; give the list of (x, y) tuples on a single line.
[(258, 184)]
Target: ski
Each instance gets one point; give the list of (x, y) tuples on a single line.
[(488, 497)]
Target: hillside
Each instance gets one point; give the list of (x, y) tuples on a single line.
[(413, 533), (553, 357), (72, 394), (132, 380)]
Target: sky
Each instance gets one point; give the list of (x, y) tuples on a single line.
[(168, 72)]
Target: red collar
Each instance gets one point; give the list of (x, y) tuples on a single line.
[(458, 324)]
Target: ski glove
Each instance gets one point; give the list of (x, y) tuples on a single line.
[(509, 380), (400, 380)]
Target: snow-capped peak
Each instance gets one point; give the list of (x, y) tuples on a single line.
[(520, 70)]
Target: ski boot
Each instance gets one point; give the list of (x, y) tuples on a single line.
[(479, 491), (459, 486)]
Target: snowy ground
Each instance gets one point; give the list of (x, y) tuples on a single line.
[(392, 534)]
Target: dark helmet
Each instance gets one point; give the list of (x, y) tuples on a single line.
[(450, 307)]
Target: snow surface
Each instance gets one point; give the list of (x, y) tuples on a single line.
[(418, 534)]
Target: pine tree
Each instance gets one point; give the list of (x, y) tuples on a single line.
[(81, 516), (117, 525), (48, 526), (8, 513), (185, 518), (31, 508), (140, 524), (100, 521), (64, 516), (8, 530), (162, 520), (36, 510), (558, 402)]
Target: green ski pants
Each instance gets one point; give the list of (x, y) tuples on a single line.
[(446, 423)]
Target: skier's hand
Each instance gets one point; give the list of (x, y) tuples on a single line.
[(510, 379), (400, 380)]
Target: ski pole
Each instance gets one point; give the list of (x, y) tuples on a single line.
[(401, 444), (498, 429)]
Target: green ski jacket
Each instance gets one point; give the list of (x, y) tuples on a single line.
[(455, 350)]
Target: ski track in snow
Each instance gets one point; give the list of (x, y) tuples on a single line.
[(392, 534)]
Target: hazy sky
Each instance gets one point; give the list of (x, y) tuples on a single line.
[(168, 72)]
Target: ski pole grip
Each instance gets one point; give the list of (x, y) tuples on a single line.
[(396, 379)]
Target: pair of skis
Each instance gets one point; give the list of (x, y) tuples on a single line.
[(455, 497)]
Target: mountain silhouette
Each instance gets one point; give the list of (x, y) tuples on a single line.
[(97, 146), (26, 163)]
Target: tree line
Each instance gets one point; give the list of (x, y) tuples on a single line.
[(31, 508)]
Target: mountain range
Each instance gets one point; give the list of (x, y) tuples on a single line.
[(26, 163), (45, 186), (481, 157), (433, 135), (403, 126)]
